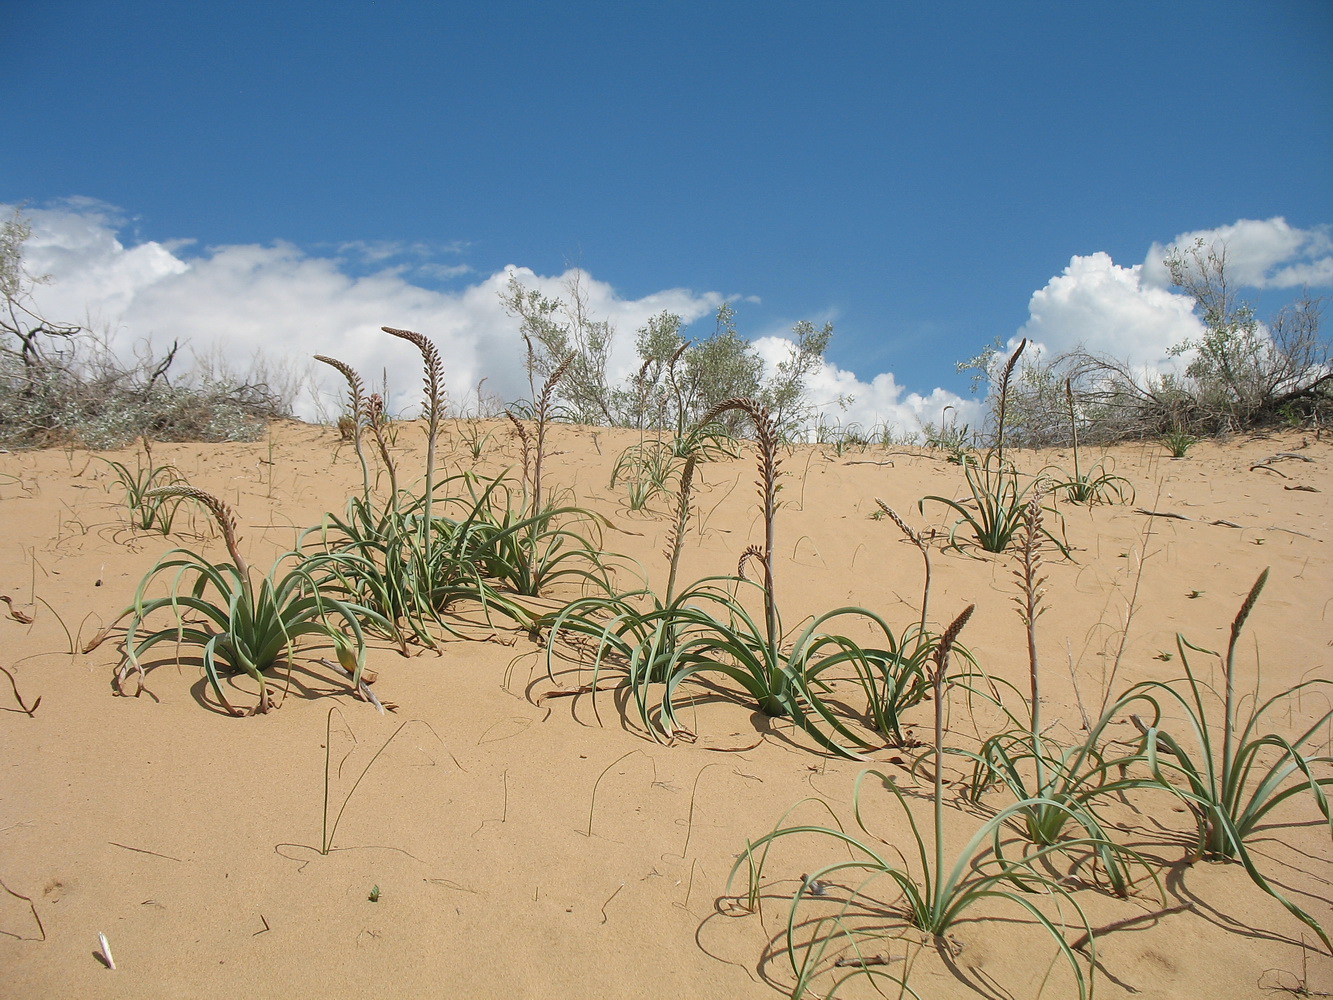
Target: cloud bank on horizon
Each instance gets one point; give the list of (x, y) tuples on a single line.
[(1132, 313), (285, 304)]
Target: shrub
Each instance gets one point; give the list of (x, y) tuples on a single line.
[(99, 403)]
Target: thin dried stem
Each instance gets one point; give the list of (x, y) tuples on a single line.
[(1109, 683), (18, 697)]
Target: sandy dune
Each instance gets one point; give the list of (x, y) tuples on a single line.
[(530, 846)]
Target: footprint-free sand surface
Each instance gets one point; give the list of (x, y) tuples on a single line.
[(526, 845)]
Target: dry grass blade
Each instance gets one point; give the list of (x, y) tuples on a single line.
[(17, 614), (31, 906), (18, 697), (99, 637)]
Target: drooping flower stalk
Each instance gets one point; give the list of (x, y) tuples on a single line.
[(766, 436), (222, 513), (915, 538), (434, 381), (356, 396)]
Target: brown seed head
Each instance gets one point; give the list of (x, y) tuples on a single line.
[(951, 635), (1248, 606), (220, 509), (561, 370), (519, 429), (903, 526), (434, 378), (751, 552), (356, 387), (766, 435)]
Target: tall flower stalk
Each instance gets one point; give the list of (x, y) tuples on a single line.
[(766, 437), (356, 397), (434, 405), (937, 679)]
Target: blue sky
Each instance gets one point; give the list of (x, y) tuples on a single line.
[(912, 172)]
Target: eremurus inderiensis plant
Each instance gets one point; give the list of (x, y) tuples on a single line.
[(239, 624)]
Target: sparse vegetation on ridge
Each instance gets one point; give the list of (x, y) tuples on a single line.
[(1241, 374), (60, 384)]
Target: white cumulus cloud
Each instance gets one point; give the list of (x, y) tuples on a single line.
[(1108, 309), (287, 304), (838, 398), (1132, 313), (1260, 253), (284, 304), (277, 301)]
